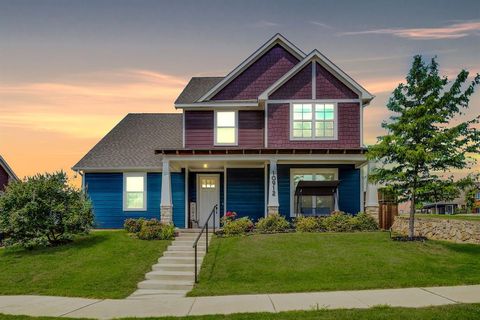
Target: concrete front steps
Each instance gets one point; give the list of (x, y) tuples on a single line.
[(173, 275)]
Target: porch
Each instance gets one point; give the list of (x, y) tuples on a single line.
[(256, 185)]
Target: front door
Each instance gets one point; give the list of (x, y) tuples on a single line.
[(208, 189)]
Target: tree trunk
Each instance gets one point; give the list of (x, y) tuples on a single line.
[(411, 221)]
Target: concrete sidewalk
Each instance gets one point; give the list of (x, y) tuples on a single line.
[(157, 306)]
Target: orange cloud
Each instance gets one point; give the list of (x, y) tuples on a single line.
[(453, 31), (51, 125)]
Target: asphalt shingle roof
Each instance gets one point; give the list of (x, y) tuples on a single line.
[(196, 88), (133, 141)]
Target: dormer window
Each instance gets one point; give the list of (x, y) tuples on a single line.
[(226, 127), (313, 121)]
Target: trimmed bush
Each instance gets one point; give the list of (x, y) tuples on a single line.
[(43, 210), (133, 225), (152, 229), (273, 223), (364, 222), (238, 226), (309, 224), (339, 222)]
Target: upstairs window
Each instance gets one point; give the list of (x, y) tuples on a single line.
[(226, 127), (477, 196), (134, 191), (315, 121)]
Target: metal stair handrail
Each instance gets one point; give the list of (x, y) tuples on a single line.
[(204, 228)]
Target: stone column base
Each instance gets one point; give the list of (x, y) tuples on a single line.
[(372, 211), (272, 210), (166, 214)]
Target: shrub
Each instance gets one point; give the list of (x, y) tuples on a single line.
[(43, 210), (133, 225), (229, 216), (238, 226), (272, 223), (339, 222), (155, 230), (309, 224), (364, 222)]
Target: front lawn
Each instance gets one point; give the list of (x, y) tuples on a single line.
[(449, 312), (299, 262), (104, 264), (446, 216)]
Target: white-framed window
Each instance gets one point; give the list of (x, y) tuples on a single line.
[(477, 196), (226, 128), (315, 203), (313, 121), (134, 191)]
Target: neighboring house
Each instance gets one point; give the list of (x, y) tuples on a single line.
[(476, 208), (242, 141), (6, 174), (456, 205)]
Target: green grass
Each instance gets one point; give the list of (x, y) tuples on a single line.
[(450, 312), (104, 264), (446, 216), (299, 262)]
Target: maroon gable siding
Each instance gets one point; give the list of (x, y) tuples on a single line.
[(259, 76), (199, 129), (3, 178), (298, 87), (329, 87), (348, 128), (250, 128)]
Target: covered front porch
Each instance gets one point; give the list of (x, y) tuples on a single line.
[(256, 185)]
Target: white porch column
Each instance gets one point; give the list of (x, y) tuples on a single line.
[(166, 207), (371, 205), (273, 204)]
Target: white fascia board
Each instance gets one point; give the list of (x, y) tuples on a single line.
[(213, 104), (316, 56), (334, 158), (276, 39), (9, 170)]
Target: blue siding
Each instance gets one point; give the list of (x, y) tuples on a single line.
[(106, 192), (245, 192), (348, 193), (178, 198), (349, 190)]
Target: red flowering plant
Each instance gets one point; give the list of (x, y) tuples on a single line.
[(229, 217)]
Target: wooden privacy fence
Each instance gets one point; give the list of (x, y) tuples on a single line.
[(388, 209)]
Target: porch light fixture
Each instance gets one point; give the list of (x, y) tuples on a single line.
[(205, 165)]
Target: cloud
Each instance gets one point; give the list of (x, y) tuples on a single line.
[(452, 31), (86, 105), (265, 24), (321, 24)]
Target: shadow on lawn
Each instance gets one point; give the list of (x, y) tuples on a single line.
[(465, 248), (80, 242)]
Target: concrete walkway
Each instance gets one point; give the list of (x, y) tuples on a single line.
[(183, 306)]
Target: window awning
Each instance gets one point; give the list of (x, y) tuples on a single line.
[(316, 188)]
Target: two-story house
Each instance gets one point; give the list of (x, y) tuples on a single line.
[(242, 141)]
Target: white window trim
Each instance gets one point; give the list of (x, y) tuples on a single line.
[(295, 171), (215, 129), (135, 174), (313, 138)]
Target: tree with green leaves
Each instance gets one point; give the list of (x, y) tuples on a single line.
[(43, 210), (422, 143)]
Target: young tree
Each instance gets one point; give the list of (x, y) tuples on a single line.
[(43, 210), (421, 143)]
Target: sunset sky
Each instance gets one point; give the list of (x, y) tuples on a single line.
[(70, 70)]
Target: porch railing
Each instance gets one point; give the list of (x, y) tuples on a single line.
[(204, 228)]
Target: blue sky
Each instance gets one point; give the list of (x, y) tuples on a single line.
[(69, 70)]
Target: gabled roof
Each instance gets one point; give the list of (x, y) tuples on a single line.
[(276, 39), (131, 144), (7, 169), (197, 87), (316, 56)]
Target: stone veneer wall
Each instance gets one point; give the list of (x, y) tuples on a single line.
[(466, 231)]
